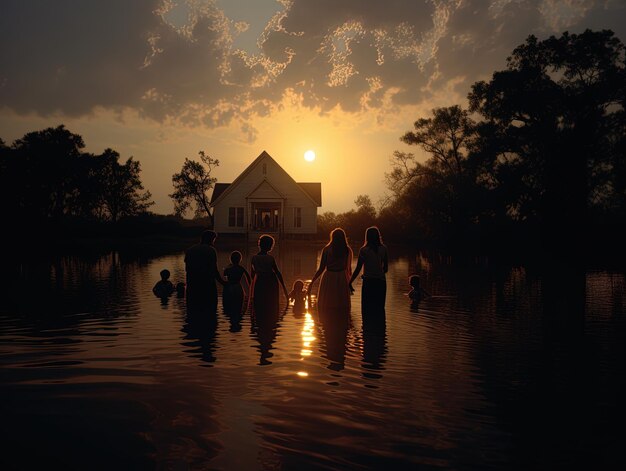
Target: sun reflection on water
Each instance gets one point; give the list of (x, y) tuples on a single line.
[(307, 335)]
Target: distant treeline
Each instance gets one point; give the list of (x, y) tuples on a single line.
[(46, 177), (538, 159), (51, 189)]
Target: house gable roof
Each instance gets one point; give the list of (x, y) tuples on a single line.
[(226, 188), (314, 190), (218, 190), (264, 190)]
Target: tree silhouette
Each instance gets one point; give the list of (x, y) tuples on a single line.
[(46, 178), (44, 174), (192, 184), (436, 194), (551, 117), (544, 155), (122, 193)]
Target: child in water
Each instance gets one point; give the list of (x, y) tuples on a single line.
[(232, 295), (417, 292), (164, 287), (298, 294)]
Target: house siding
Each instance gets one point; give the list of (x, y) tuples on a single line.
[(256, 185)]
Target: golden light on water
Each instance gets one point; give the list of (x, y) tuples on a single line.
[(309, 156), (303, 374), (307, 335)]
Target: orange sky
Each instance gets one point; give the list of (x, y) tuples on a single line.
[(160, 80), (352, 149)]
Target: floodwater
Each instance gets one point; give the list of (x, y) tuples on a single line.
[(504, 367)]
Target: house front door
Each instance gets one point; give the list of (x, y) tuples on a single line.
[(266, 217)]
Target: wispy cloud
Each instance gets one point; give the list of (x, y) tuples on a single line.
[(176, 61)]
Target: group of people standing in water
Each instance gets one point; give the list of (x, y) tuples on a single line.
[(266, 280)]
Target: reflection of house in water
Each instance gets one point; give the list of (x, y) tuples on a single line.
[(265, 199)]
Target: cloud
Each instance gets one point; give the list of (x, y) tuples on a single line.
[(175, 61)]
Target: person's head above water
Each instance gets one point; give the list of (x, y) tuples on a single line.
[(235, 257), (414, 281), (338, 238), (165, 274), (208, 236), (266, 242), (298, 285), (372, 237)]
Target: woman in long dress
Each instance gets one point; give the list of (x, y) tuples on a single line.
[(335, 269)]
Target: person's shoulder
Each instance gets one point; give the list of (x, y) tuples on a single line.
[(193, 248)]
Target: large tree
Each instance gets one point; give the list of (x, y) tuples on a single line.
[(192, 184), (121, 191), (44, 175), (549, 117), (435, 193)]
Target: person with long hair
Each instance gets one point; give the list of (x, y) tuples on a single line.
[(373, 259), (335, 269)]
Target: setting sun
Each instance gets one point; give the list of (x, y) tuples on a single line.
[(309, 156)]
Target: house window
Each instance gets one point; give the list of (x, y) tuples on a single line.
[(297, 217), (235, 217)]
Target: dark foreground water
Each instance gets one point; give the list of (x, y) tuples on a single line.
[(504, 367)]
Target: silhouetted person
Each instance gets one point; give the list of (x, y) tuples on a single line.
[(417, 293), (299, 296), (266, 277), (233, 294), (374, 261), (335, 269), (202, 273), (180, 289), (164, 287)]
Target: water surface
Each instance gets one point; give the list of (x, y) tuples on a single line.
[(504, 367)]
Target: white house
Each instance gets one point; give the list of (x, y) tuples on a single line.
[(265, 199)]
